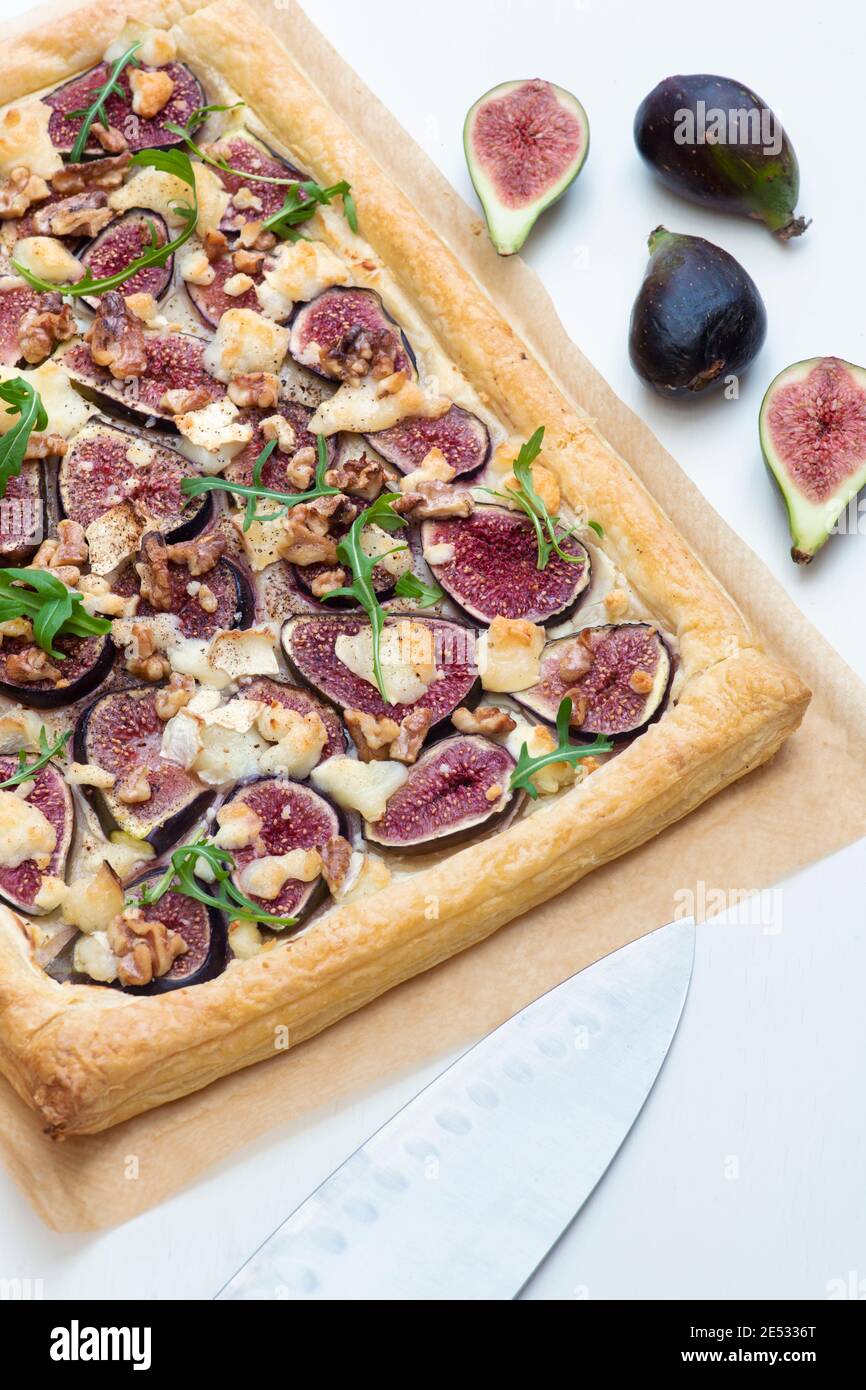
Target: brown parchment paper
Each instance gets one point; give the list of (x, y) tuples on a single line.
[(808, 803)]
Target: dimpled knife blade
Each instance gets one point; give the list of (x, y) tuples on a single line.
[(463, 1193)]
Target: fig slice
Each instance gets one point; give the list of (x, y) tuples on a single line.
[(309, 643), (14, 304), (458, 787), (140, 133), (211, 301), (813, 437), (203, 928), (293, 816), (50, 795), (106, 465), (235, 601), (120, 732), (174, 363), (273, 692), (124, 241), (340, 322), (617, 677), (525, 142), (494, 570), (22, 512), (460, 436), (243, 152), (240, 470), (86, 663)]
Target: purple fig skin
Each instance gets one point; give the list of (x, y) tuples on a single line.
[(202, 927), (333, 315), (88, 661), (494, 572), (123, 241), (293, 816), (50, 795), (308, 643), (96, 475), (140, 134), (14, 304), (614, 652), (119, 731), (242, 152), (226, 581), (22, 526), (274, 692), (174, 363), (444, 799), (462, 438), (211, 301)]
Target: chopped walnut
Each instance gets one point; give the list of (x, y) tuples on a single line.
[(174, 696), (142, 658), (248, 262), (19, 190), (112, 140), (152, 569), (576, 662), (16, 627), (579, 707), (336, 857), (328, 581), (134, 788), (252, 237), (151, 91), (67, 574), (93, 173), (116, 338), (200, 554), (413, 730), (283, 431), (182, 401), (306, 540), (489, 720), (43, 446), (83, 214), (259, 389), (215, 244), (207, 599), (362, 352), (616, 603), (45, 554), (71, 544), (433, 500), (29, 666), (371, 736), (144, 950), (641, 682), (494, 791), (301, 467), (43, 326), (360, 477)]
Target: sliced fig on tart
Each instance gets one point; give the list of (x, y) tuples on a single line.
[(31, 676), (273, 692), (175, 363), (252, 199), (20, 883), (23, 501), (274, 473), (211, 301), (14, 304), (293, 817), (462, 438), (493, 570), (106, 465), (616, 676), (433, 663), (343, 333), (140, 132), (460, 786), (202, 928), (203, 603), (122, 242), (151, 798)]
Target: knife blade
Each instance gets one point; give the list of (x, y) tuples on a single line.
[(465, 1190)]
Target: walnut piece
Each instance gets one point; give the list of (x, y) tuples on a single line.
[(252, 237), (283, 431), (247, 262), (429, 501), (142, 657), (42, 446), (134, 788), (82, 214), (31, 665), (152, 569), (328, 581), (109, 138), (116, 338), (174, 696), (301, 468), (413, 730), (336, 857), (41, 328), (182, 401), (306, 540), (259, 389), (215, 244), (93, 173), (362, 352), (200, 554), (19, 190), (489, 720), (361, 477), (579, 707), (371, 736), (576, 662), (144, 950), (151, 91), (641, 682), (71, 544)]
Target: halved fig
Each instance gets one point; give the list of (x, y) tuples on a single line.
[(459, 786), (243, 152), (309, 647), (235, 601), (341, 324), (274, 692), (461, 437), (22, 514), (50, 795), (494, 571), (211, 301), (121, 733), (122, 242), (14, 304), (203, 928), (293, 816), (140, 133), (86, 662), (174, 363), (616, 676), (240, 470), (106, 465)]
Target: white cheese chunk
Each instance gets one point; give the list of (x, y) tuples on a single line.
[(245, 342), (227, 756), (67, 411), (239, 825), (244, 652), (94, 900), (245, 939), (371, 406), (24, 140), (25, 833), (163, 192), (181, 741), (48, 258), (300, 747), (266, 877), (113, 537), (189, 657), (217, 429), (407, 658), (94, 957), (509, 654), (157, 45), (301, 270), (358, 786)]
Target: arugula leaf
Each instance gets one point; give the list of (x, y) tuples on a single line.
[(351, 553), (410, 586), (25, 400), (96, 110), (297, 209), (534, 506), (565, 752), (47, 751), (54, 610), (222, 894), (198, 117), (597, 527), (170, 162), (194, 487)]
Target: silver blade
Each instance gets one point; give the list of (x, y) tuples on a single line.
[(462, 1194)]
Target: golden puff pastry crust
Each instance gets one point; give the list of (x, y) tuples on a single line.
[(87, 1057)]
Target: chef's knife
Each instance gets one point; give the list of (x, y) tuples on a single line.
[(463, 1193)]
